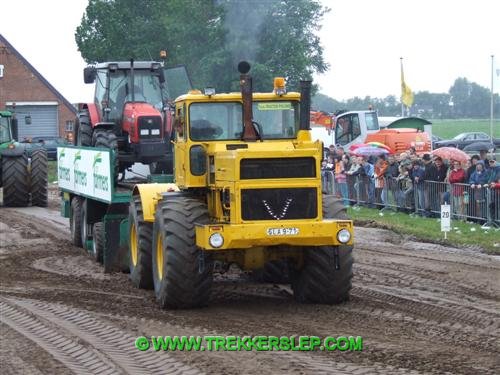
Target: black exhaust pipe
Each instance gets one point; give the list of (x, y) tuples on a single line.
[(249, 131), (305, 105)]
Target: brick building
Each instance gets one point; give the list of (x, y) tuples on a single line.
[(41, 110)]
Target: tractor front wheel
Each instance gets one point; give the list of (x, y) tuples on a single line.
[(84, 129), (182, 273), (318, 281)]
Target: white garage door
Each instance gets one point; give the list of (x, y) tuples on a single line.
[(43, 118)]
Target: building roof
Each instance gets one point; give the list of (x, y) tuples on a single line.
[(37, 74)]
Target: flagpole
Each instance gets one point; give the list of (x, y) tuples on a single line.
[(402, 105), (491, 102)]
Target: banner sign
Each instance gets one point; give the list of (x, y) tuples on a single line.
[(85, 171)]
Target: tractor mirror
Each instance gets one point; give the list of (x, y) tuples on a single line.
[(14, 128), (161, 76), (89, 74)]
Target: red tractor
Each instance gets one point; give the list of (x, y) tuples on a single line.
[(130, 113)]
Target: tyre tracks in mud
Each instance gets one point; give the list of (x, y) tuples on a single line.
[(400, 304), (81, 342)]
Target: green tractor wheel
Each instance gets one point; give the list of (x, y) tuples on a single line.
[(15, 181)]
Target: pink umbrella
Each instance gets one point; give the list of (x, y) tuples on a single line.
[(451, 153), (370, 150)]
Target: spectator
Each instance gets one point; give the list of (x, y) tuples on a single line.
[(413, 152), (379, 172), (341, 168), (327, 176), (390, 179), (430, 174), (472, 168), (457, 176), (404, 194), (417, 174), (353, 183), (478, 182), (495, 199), (483, 155), (369, 185)]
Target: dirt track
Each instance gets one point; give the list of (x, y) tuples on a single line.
[(420, 308)]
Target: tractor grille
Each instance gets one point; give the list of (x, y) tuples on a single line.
[(279, 204), (149, 127), (277, 168)]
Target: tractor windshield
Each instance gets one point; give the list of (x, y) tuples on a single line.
[(145, 88), (5, 135), (224, 120)]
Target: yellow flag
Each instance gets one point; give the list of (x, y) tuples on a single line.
[(406, 93)]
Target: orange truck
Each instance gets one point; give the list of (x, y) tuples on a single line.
[(354, 127)]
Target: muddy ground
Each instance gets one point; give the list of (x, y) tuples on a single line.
[(420, 308)]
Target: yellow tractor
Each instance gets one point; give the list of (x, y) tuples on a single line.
[(247, 192)]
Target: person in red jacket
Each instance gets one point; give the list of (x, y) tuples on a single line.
[(457, 178)]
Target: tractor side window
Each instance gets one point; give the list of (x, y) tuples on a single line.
[(215, 121), (100, 90), (278, 119), (4, 130), (371, 121), (347, 129)]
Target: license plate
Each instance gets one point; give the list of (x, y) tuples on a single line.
[(282, 231)]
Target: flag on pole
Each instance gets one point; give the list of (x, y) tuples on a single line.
[(406, 93)]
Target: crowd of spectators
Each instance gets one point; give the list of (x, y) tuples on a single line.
[(377, 180)]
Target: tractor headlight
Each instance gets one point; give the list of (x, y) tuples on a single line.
[(216, 240), (343, 236)]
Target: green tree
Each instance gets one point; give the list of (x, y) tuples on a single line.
[(209, 36)]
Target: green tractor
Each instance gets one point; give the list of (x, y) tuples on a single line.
[(23, 167)]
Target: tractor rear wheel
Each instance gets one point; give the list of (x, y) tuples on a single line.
[(274, 271), (15, 181), (107, 139), (141, 235), (84, 129), (75, 221), (39, 178), (98, 242), (318, 281), (182, 273)]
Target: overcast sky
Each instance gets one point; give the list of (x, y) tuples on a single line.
[(363, 41)]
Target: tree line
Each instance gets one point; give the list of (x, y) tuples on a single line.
[(210, 37), (464, 99), (278, 38)]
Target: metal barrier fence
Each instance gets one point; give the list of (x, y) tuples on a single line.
[(424, 198)]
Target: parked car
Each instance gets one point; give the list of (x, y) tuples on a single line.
[(50, 144), (435, 139), (464, 139)]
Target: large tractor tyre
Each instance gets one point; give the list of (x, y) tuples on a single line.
[(107, 139), (318, 281), (140, 245), (15, 181), (84, 129), (86, 226), (39, 178), (274, 271), (98, 242), (75, 221), (182, 273)]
